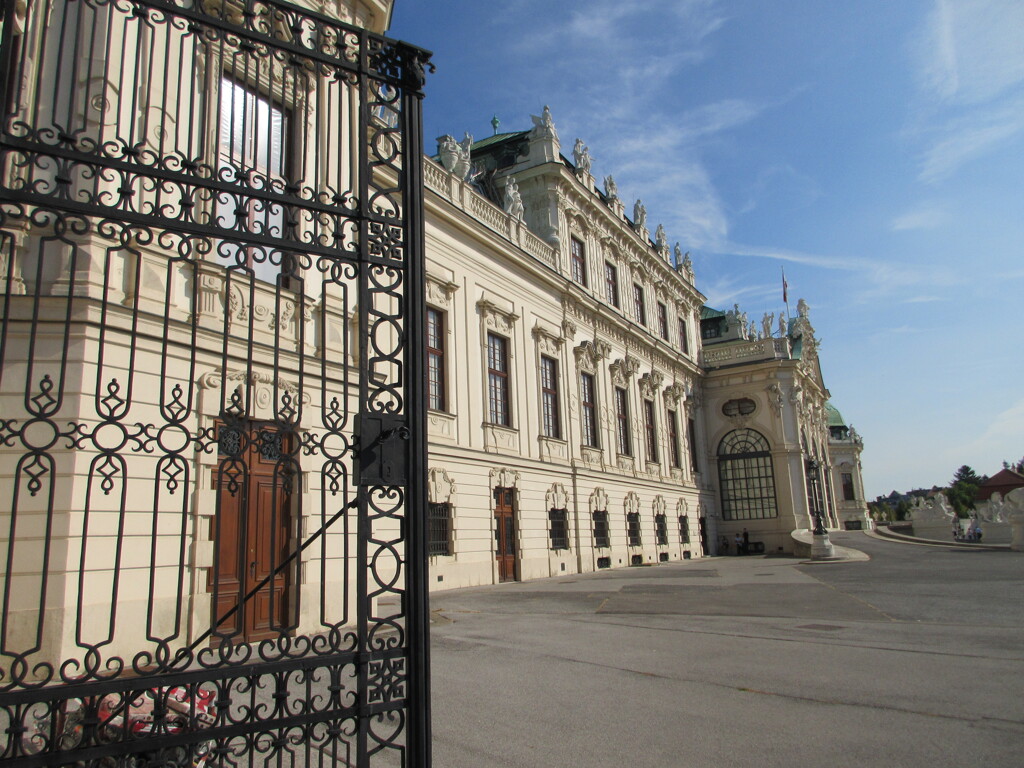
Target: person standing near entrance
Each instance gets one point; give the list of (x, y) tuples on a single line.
[(746, 542), (739, 545)]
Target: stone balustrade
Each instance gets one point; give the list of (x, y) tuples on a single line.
[(720, 355)]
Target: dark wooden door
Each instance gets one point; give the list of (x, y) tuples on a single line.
[(252, 533), (505, 534)]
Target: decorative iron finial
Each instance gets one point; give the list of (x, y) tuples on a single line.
[(495, 122)]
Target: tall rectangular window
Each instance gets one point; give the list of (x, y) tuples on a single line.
[(602, 538), (497, 380), (661, 530), (663, 320), (252, 140), (673, 439), (633, 529), (622, 421), (440, 529), (650, 433), (848, 492), (559, 527), (684, 338), (588, 410), (691, 438), (638, 304), (684, 529), (435, 360), (578, 259), (611, 283), (549, 397)]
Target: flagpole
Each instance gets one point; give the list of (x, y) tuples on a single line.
[(785, 293)]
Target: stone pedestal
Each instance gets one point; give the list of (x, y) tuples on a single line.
[(1017, 531), (821, 547)]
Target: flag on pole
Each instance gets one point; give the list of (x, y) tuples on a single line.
[(785, 287)]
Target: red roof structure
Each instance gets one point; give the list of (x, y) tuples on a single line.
[(1001, 482)]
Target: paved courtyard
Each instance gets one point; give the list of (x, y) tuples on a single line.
[(914, 658)]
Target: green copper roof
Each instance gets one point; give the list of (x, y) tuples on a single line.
[(497, 139), (706, 313), (835, 418)]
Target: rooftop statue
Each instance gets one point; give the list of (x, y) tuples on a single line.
[(782, 326), (766, 324), (660, 238), (463, 165), (802, 309), (448, 149), (544, 126), (513, 200), (454, 154), (639, 215), (687, 263), (611, 189), (581, 156)]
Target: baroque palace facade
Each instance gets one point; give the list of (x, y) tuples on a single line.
[(586, 409)]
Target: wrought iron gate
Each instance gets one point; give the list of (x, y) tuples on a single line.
[(212, 435)]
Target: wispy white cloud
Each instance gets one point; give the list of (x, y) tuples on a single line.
[(971, 136), (927, 216), (969, 51), (970, 70)]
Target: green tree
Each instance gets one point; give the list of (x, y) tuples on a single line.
[(963, 489), (1016, 466)]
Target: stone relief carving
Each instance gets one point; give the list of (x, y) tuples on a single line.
[(775, 398), (504, 478), (440, 487), (556, 497), (496, 318), (632, 503), (547, 342), (650, 383), (568, 329), (682, 507), (588, 354), (440, 292), (622, 369), (659, 505), (598, 500), (674, 393)]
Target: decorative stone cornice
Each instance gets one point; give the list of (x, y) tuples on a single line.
[(650, 383), (496, 318), (588, 354), (440, 292), (440, 487), (548, 342), (623, 369)]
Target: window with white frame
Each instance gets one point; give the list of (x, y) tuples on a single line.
[(499, 407), (549, 397)]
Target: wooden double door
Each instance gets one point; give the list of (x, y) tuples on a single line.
[(253, 535), (505, 533)]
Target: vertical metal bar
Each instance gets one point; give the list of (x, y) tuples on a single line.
[(365, 186), (418, 738)]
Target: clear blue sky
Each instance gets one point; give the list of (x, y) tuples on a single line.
[(874, 149)]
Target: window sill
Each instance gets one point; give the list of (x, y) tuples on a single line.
[(441, 426), (499, 439), (553, 449)]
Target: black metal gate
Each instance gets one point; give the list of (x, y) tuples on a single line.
[(212, 435)]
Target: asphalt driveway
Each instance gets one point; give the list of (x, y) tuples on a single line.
[(913, 658)]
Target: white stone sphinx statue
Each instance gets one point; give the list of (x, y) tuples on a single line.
[(935, 509)]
